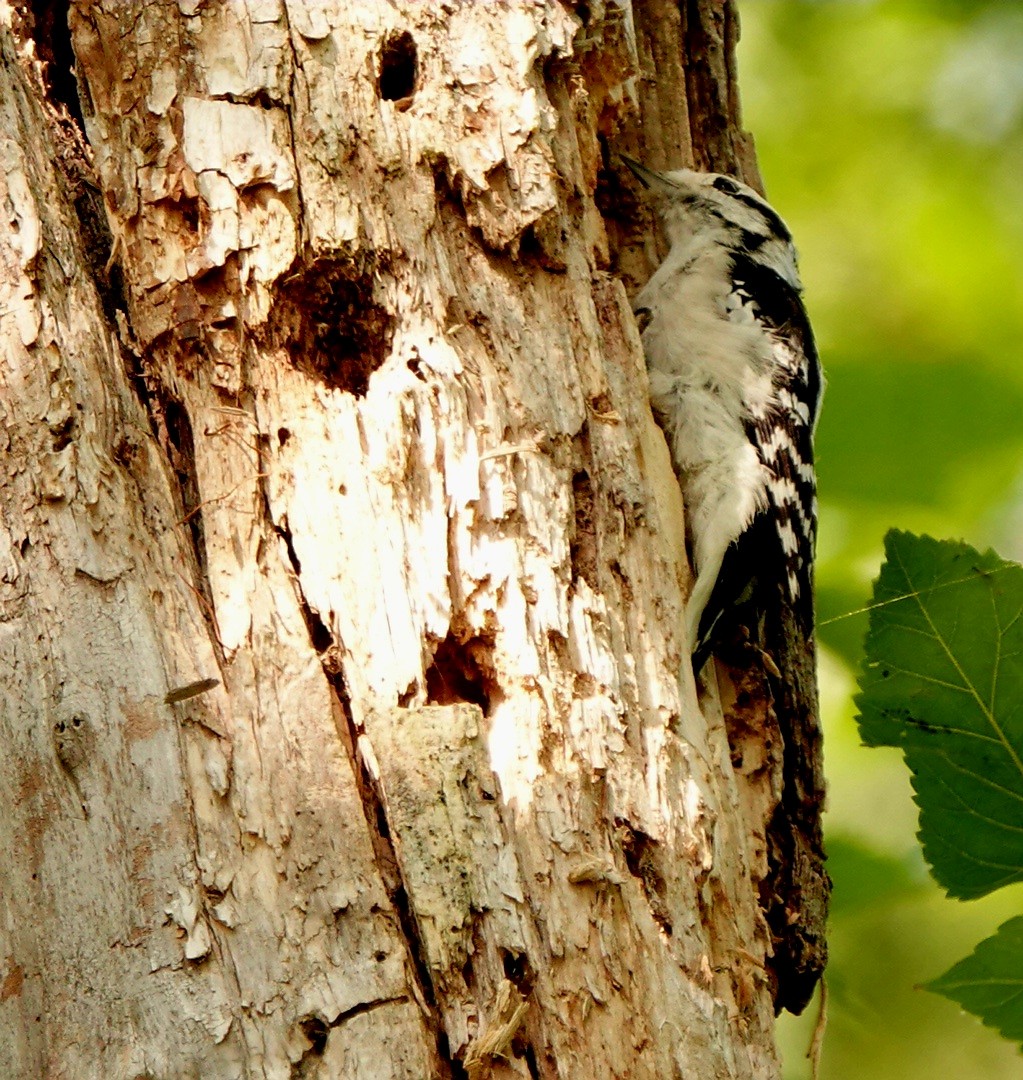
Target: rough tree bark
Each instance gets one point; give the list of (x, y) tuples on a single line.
[(319, 379)]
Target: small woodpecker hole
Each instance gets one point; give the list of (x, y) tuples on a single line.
[(52, 37), (316, 1031), (398, 68)]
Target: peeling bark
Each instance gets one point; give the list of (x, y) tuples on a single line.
[(343, 565)]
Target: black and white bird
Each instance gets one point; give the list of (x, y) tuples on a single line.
[(736, 384)]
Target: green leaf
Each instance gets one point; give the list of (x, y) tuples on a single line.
[(989, 983), (943, 680)]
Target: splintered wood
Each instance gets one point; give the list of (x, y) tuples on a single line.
[(342, 516)]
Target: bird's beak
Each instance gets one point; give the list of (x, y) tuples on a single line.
[(655, 181), (647, 177)]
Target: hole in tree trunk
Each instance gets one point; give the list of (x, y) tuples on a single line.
[(398, 69), (52, 37), (459, 673), (331, 324)]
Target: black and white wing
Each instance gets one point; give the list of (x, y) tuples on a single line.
[(776, 552), (762, 606), (782, 428)]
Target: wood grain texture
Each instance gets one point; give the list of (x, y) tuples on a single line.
[(366, 437)]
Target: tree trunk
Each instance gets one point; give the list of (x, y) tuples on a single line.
[(348, 412)]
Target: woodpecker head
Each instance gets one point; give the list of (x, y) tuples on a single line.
[(692, 203)]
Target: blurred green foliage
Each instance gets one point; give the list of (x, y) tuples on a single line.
[(890, 136)]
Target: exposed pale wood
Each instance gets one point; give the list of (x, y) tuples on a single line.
[(449, 811)]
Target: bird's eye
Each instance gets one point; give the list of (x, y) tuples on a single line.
[(725, 184)]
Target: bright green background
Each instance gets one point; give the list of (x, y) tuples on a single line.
[(890, 136)]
